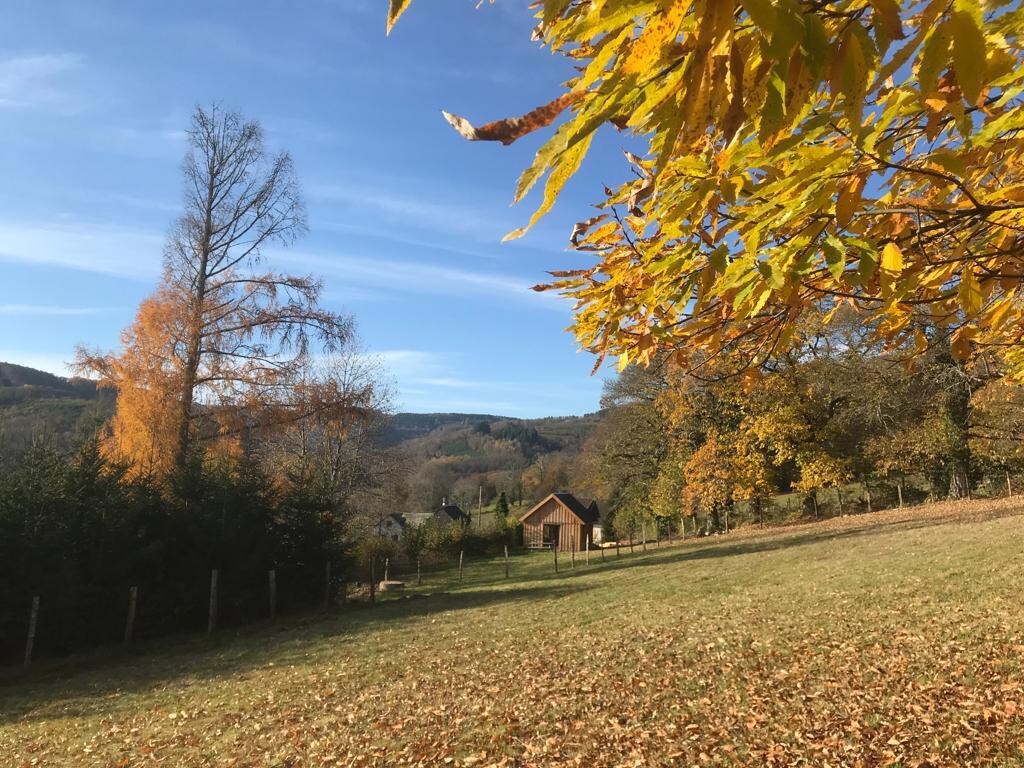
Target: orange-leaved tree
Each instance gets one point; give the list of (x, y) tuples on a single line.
[(801, 155), (219, 345)]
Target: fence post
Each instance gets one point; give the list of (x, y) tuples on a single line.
[(419, 578), (554, 551), (30, 639), (643, 536), (461, 553), (586, 547), (602, 551), (129, 623), (211, 623), (387, 569), (1009, 488), (272, 592), (373, 579), (328, 592), (506, 561), (899, 492)]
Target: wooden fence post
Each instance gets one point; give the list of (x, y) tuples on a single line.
[(272, 592), (461, 553), (211, 622), (899, 492), (373, 579), (30, 638), (506, 561), (387, 569), (419, 577), (586, 547), (554, 551), (328, 592), (129, 622), (1009, 488), (643, 536)]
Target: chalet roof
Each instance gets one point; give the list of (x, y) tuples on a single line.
[(454, 511), (587, 514)]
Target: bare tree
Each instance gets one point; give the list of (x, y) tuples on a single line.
[(224, 337)]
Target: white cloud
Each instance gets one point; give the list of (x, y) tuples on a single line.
[(422, 278), (136, 254), (48, 310), (413, 211), (39, 81), (121, 252)]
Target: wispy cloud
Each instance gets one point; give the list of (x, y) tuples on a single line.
[(49, 310), (120, 252), (135, 254), (419, 211), (422, 278), (39, 81)]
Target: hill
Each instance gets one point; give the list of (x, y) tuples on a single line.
[(885, 639), (39, 407), (448, 453)]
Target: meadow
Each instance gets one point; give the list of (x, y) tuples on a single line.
[(895, 638)]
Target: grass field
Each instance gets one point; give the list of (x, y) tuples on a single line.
[(886, 639)]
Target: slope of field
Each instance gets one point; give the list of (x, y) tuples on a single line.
[(887, 639)]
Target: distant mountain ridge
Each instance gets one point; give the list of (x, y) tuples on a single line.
[(36, 406)]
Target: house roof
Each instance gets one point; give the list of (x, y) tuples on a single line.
[(454, 511), (584, 513)]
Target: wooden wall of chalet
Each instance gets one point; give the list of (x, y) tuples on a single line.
[(572, 534)]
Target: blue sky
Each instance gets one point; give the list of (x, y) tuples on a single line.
[(405, 217)]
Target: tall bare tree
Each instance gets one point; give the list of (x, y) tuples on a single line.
[(232, 334)]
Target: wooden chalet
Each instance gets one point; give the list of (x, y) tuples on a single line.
[(561, 520)]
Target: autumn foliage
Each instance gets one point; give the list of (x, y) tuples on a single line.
[(801, 156)]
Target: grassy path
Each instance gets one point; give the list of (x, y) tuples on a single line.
[(893, 639)]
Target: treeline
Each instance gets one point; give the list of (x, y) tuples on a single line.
[(78, 531), (838, 425)]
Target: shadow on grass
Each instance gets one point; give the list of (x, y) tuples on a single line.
[(716, 547), (81, 685)]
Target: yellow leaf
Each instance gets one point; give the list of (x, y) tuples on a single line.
[(566, 166), (848, 200), (395, 9), (646, 51), (887, 14), (892, 259), (934, 58), (960, 342), (969, 292), (968, 47)]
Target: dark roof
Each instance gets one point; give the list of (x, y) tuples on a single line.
[(586, 514), (454, 511)]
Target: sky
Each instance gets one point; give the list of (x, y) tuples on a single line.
[(405, 217)]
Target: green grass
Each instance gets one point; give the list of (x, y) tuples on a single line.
[(895, 638)]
